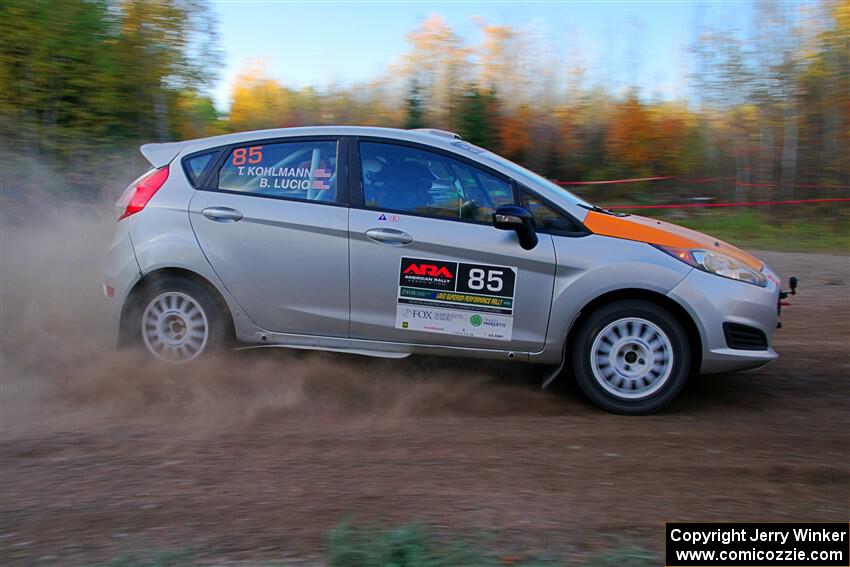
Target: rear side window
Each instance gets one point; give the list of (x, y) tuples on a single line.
[(196, 166), (304, 170)]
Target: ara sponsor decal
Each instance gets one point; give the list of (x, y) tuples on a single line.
[(427, 274), (470, 300), (431, 270)]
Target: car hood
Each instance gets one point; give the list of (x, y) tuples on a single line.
[(662, 233)]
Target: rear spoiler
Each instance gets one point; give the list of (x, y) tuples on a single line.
[(161, 154)]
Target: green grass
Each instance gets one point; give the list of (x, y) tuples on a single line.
[(414, 545), (411, 545), (626, 557), (756, 229)]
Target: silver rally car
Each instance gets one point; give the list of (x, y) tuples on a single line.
[(387, 242)]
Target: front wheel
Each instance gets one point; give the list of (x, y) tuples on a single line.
[(631, 357), (177, 320)]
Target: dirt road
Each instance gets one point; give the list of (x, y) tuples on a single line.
[(258, 456)]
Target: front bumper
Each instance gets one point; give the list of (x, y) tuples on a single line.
[(713, 300)]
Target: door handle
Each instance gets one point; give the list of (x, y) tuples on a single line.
[(222, 214), (389, 236)]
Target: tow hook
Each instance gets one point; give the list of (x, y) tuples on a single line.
[(792, 284)]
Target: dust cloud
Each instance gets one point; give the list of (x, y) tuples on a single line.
[(59, 368)]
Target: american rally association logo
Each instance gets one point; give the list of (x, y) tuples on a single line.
[(428, 274), (476, 320), (430, 270)]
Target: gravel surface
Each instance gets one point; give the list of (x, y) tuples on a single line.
[(255, 457)]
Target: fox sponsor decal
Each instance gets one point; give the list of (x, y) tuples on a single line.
[(471, 300), (431, 315), (454, 322)]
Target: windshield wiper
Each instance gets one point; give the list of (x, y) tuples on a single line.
[(598, 209)]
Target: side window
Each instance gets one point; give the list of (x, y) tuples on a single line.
[(296, 170), (196, 166), (407, 179), (546, 218)]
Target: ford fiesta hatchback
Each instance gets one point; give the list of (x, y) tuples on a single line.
[(388, 242)]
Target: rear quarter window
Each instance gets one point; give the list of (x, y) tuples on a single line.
[(196, 166)]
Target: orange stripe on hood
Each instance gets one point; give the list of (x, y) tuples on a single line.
[(653, 231)]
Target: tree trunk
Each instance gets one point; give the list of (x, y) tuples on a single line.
[(161, 116), (789, 151)]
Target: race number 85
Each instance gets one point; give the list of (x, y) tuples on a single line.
[(490, 279), (487, 280), (247, 155)]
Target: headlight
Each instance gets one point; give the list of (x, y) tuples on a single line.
[(718, 264)]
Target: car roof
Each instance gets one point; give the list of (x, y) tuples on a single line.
[(434, 137), (162, 154)]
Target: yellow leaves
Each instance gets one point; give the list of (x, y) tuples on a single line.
[(434, 36), (438, 62), (629, 134), (258, 101), (514, 134), (195, 116), (671, 126), (841, 15), (436, 50), (567, 126), (494, 54), (641, 136)]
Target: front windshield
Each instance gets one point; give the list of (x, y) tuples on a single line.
[(520, 171)]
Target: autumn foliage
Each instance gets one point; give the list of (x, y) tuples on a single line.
[(770, 108)]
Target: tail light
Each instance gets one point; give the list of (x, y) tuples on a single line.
[(140, 192)]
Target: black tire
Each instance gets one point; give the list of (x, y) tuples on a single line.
[(219, 327), (602, 395)]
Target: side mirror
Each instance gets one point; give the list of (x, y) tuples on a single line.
[(518, 219)]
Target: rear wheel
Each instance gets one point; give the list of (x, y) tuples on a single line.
[(631, 357), (177, 320)]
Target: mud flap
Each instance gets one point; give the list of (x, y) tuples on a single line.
[(557, 372), (792, 284)]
